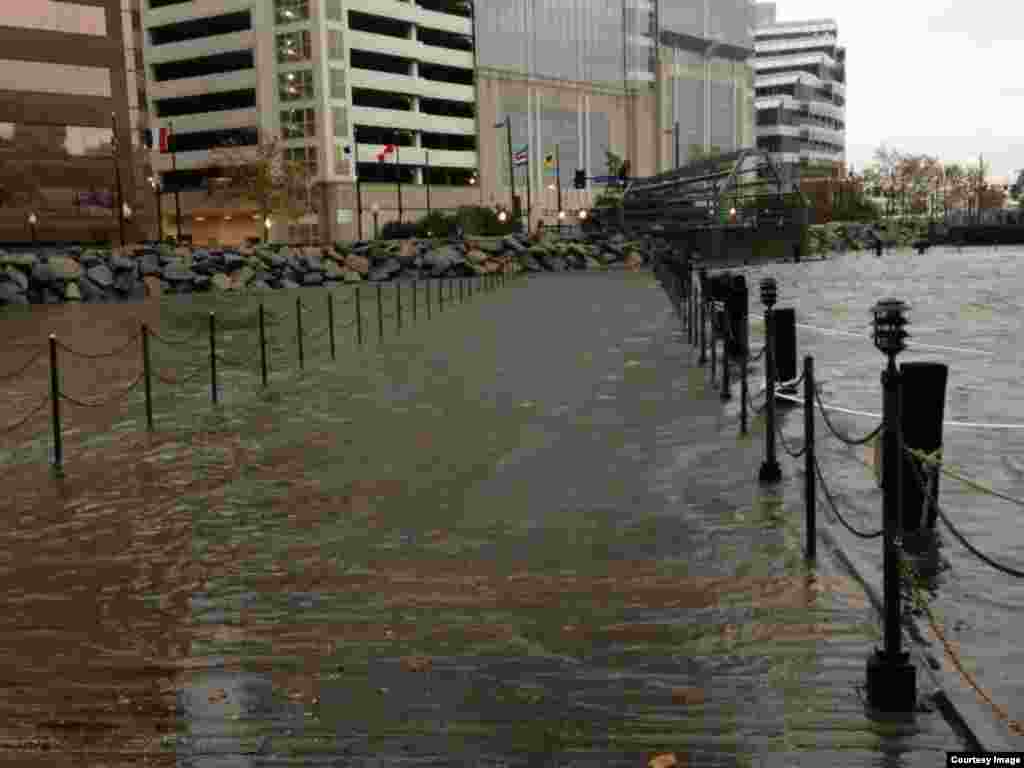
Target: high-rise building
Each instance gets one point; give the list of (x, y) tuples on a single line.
[(411, 98), (67, 78), (801, 90)]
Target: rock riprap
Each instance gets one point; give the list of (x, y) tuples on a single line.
[(75, 273)]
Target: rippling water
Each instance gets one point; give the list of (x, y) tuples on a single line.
[(971, 301)]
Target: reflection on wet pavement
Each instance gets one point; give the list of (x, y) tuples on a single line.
[(393, 560)]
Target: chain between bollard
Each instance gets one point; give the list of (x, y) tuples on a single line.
[(98, 355), (841, 437), (835, 509), (176, 342), (31, 361), (107, 401), (35, 411)]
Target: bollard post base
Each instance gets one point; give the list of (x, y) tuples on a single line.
[(891, 682), (770, 472)]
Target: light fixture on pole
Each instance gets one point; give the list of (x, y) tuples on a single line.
[(583, 214), (770, 471), (32, 221), (266, 229), (116, 148), (561, 218), (507, 125), (375, 210), (502, 215), (154, 182)]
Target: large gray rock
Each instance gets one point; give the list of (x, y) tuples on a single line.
[(101, 275), (201, 282), (149, 264), (378, 274), (122, 264), (43, 274), (15, 275), (24, 260), (10, 293), (286, 283), (513, 244), (233, 260), (125, 282), (441, 258), (277, 261), (90, 290), (259, 285), (178, 273), (312, 263), (392, 266), (313, 278), (53, 295), (530, 264)]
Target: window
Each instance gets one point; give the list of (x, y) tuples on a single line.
[(294, 46), (295, 86), (289, 11), (304, 155), (334, 12), (335, 45), (303, 233), (298, 123), (338, 84), (340, 115)]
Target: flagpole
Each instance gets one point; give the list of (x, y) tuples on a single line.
[(398, 168), (558, 179), (177, 183), (529, 192), (511, 162)]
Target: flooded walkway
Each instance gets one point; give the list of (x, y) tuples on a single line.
[(523, 533)]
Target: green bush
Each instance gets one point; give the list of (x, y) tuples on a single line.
[(395, 230), (474, 220)]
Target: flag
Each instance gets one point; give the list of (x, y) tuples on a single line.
[(521, 157), (164, 140), (549, 160), (382, 155)]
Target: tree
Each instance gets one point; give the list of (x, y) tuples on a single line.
[(263, 176)]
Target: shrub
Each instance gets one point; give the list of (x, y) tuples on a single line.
[(395, 230)]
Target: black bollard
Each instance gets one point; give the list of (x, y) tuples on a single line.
[(784, 336), (298, 329), (146, 374), (770, 471), (923, 397), (744, 391), (58, 447), (330, 321), (726, 393), (380, 313), (713, 311), (263, 348), (359, 318), (398, 304), (810, 500), (737, 309), (213, 358), (440, 296)]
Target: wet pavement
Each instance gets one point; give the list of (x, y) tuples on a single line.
[(525, 532)]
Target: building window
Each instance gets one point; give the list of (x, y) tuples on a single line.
[(288, 11), (335, 45), (333, 10), (304, 155), (303, 233), (295, 86), (338, 84), (298, 123), (294, 46), (340, 115)]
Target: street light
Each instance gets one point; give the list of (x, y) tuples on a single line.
[(154, 182), (583, 214), (375, 210), (32, 221), (770, 471), (561, 218), (266, 229), (502, 216), (891, 678)]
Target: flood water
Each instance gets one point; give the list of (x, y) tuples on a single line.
[(518, 530)]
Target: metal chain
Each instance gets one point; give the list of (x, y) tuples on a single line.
[(785, 446), (924, 457), (176, 342), (7, 428), (841, 437), (98, 355), (835, 509), (101, 403), (31, 361)]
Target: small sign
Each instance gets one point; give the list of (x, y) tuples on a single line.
[(344, 215)]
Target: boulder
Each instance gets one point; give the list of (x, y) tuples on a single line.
[(178, 273), (200, 282), (122, 263), (313, 278), (181, 252), (312, 262), (634, 261), (149, 264), (221, 282), (90, 290), (378, 274), (286, 283), (101, 275), (442, 258), (10, 294), (233, 260), (530, 264), (53, 295), (589, 262), (259, 285), (43, 274), (15, 275), (152, 284), (277, 261), (65, 267), (125, 282), (513, 244), (356, 263)]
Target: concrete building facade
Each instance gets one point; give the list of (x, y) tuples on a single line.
[(801, 90), (340, 80), (65, 69)]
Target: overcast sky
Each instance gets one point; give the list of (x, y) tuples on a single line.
[(941, 77)]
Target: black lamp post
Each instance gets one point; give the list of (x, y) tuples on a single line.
[(154, 182), (770, 471), (891, 678)]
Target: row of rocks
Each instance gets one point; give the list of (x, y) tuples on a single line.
[(93, 275)]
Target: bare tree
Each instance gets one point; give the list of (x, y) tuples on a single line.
[(263, 176)]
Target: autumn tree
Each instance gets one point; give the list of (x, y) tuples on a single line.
[(263, 176)]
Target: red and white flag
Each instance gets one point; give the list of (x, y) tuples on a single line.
[(388, 149), (164, 140)]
